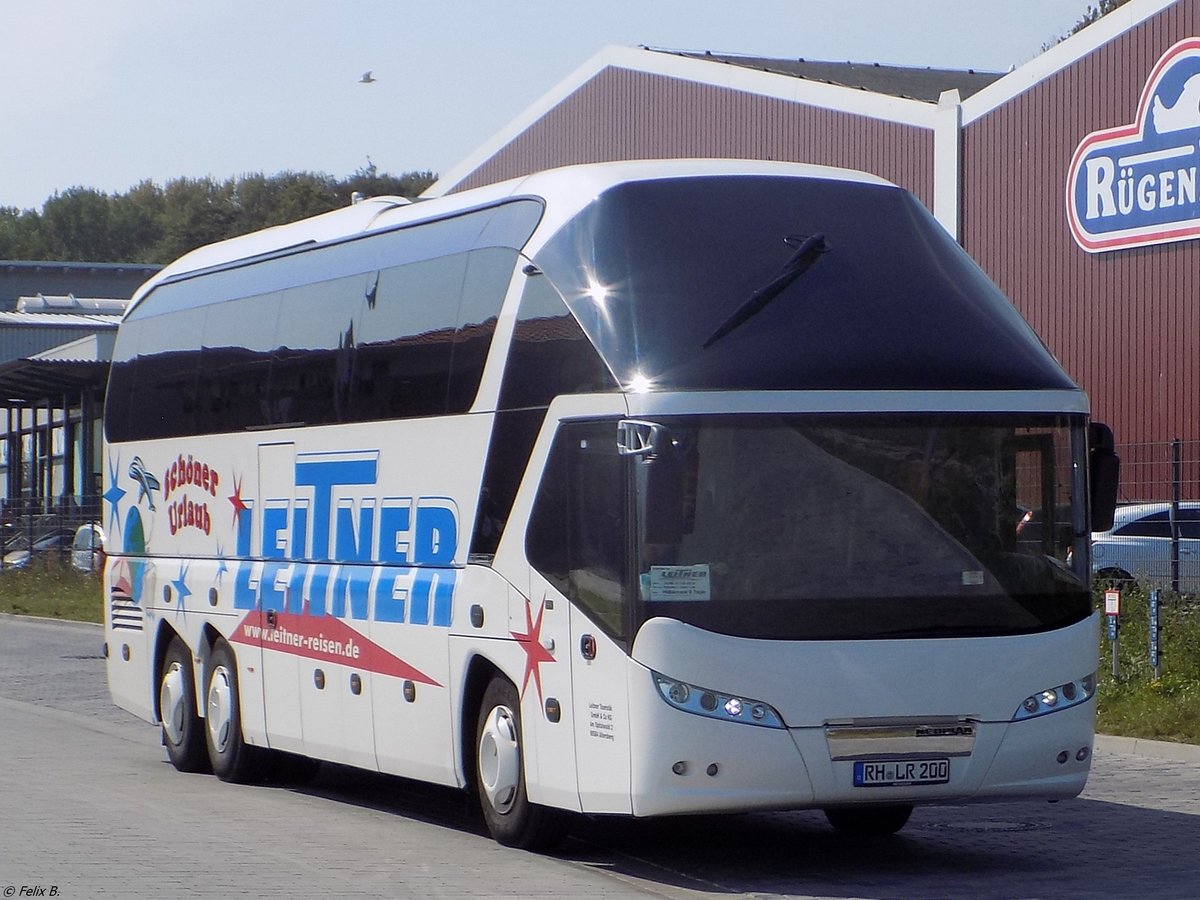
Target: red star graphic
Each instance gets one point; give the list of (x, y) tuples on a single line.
[(531, 643), (239, 506)]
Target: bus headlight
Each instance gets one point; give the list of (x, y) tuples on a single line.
[(714, 704), (1062, 696)]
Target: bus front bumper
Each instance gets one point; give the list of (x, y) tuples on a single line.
[(696, 765)]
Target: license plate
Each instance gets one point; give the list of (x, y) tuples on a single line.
[(901, 772)]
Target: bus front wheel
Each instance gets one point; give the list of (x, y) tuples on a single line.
[(182, 728), (500, 777), (232, 758), (869, 820)]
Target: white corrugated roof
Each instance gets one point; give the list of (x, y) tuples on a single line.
[(69, 303), (58, 320), (91, 348)]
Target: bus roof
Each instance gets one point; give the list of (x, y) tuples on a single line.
[(569, 188)]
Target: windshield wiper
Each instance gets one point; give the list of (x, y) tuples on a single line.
[(807, 251)]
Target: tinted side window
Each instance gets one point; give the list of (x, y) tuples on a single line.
[(1154, 525), (488, 275), (550, 354), (122, 381), (312, 352), (424, 334), (513, 435), (1189, 523), (578, 535), (155, 378), (1159, 525), (401, 340), (1189, 529), (404, 338), (235, 363)]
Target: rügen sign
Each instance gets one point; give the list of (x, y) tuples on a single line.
[(1137, 184)]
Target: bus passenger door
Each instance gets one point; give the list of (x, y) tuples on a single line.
[(577, 547), (540, 622), (282, 669), (600, 695)]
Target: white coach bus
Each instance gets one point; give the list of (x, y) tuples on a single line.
[(637, 488)]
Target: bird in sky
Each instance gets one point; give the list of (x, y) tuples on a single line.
[(367, 78)]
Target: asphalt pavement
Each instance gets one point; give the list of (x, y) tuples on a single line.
[(89, 807)]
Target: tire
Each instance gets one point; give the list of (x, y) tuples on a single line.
[(500, 776), (232, 758), (182, 728), (869, 820)]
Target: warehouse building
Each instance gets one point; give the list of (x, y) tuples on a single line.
[(1072, 181), (58, 321)]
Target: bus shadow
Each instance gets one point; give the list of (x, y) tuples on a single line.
[(430, 803), (1020, 849), (1026, 849)]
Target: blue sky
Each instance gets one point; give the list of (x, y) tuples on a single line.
[(107, 94)]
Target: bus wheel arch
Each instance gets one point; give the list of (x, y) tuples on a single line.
[(176, 706), (204, 650), (499, 775), (232, 758), (479, 674), (163, 639)]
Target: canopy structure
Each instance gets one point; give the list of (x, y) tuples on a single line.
[(52, 404)]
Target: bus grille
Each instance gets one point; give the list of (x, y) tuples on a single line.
[(126, 614)]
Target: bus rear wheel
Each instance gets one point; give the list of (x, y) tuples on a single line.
[(500, 777), (869, 820), (182, 728), (231, 757)]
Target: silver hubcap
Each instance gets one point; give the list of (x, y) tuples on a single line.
[(171, 702), (220, 709), (500, 759)]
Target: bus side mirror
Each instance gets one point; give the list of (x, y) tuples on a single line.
[(1104, 468)]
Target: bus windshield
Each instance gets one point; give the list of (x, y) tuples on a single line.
[(761, 283), (843, 527)]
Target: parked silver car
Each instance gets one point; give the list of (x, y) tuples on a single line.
[(84, 546), (1138, 546), (87, 548), (18, 551)]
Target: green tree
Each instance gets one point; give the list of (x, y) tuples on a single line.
[(21, 234), (76, 226), (1092, 14), (197, 211), (134, 222), (369, 183), (149, 223)]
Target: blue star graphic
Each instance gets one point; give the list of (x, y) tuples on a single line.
[(114, 495), (222, 563), (180, 584)]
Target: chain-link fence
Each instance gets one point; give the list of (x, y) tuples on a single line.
[(33, 530), (1155, 539)]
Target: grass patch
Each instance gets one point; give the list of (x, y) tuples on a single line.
[(50, 588), (1135, 704)]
